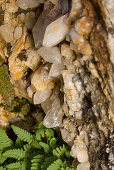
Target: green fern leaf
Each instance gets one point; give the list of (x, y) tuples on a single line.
[(3, 159), (53, 142), (48, 162), (15, 153), (36, 144), (0, 153), (56, 165), (2, 168), (40, 125), (27, 147), (22, 134), (25, 164), (14, 165), (67, 167), (49, 133), (4, 140), (59, 151), (67, 152), (40, 134), (45, 146), (18, 143), (37, 161)]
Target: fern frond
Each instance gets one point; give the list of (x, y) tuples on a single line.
[(27, 147), (56, 165), (36, 152), (22, 134), (25, 164), (36, 144), (45, 146), (49, 133), (40, 133), (59, 151), (40, 125), (67, 152), (2, 168), (4, 140), (37, 161), (18, 143), (0, 153), (2, 160), (67, 167), (53, 142), (14, 153), (16, 165), (48, 162), (44, 132)]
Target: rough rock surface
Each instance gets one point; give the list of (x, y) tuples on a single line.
[(67, 67)]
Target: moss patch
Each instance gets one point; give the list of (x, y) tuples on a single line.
[(20, 106), (6, 88)]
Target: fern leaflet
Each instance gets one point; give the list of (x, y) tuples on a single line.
[(2, 160), (18, 143), (49, 133), (36, 144), (37, 161), (48, 162), (44, 132), (25, 164), (40, 134), (27, 147), (4, 140), (53, 142), (59, 151), (2, 168), (14, 153), (22, 134), (45, 146), (56, 165), (14, 165)]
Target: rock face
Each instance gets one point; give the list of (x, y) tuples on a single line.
[(68, 69)]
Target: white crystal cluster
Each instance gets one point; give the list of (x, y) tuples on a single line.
[(48, 68)]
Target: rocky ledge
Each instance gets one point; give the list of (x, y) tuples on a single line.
[(60, 57)]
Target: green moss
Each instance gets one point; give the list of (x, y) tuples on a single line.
[(11, 102), (6, 88), (19, 106)]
